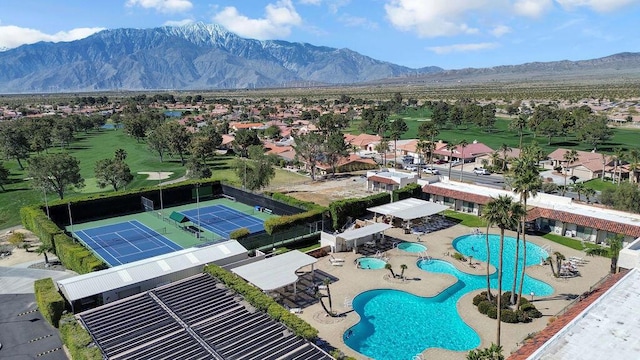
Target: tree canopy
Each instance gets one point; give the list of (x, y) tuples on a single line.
[(56, 172)]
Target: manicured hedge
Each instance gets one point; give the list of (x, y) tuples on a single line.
[(410, 191), (239, 233), (314, 213), (50, 302), (354, 208), (36, 221), (75, 256), (78, 340), (262, 302)]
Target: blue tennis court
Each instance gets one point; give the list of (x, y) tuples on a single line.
[(125, 242), (222, 220)]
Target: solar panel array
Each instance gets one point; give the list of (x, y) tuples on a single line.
[(196, 318)]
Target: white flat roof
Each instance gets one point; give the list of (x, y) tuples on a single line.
[(275, 272), (409, 209), (607, 329), (82, 286), (364, 231), (548, 201)]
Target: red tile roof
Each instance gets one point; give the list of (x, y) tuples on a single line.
[(383, 180), (588, 298), (456, 194), (567, 217)]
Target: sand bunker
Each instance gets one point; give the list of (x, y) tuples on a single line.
[(156, 175)]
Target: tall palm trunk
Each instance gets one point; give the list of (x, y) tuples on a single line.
[(499, 299), (524, 252), (512, 300), (486, 237)]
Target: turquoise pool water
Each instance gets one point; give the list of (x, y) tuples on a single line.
[(412, 247), (369, 263), (398, 325)]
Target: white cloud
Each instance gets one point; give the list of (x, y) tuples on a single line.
[(433, 18), (500, 30), (357, 21), (13, 36), (278, 20), (164, 6), (310, 2), (532, 8), (597, 5), (440, 50), (178, 22)]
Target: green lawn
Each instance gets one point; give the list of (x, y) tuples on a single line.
[(568, 242), (623, 138), (599, 185), (89, 148), (466, 219)]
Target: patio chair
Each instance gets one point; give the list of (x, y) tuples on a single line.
[(336, 263), (295, 310), (336, 259)]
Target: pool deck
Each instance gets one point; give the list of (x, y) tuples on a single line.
[(352, 281)]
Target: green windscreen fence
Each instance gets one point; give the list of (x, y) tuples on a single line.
[(202, 192)]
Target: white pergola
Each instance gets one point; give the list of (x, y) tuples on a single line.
[(275, 272), (363, 232), (409, 209)]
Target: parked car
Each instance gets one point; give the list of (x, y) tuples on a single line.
[(431, 170), (455, 162), (411, 167), (481, 171), (441, 161)]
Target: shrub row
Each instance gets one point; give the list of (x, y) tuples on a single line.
[(275, 225), (239, 233), (342, 210), (50, 302), (36, 221), (78, 340), (526, 313), (413, 190), (263, 302), (75, 256)]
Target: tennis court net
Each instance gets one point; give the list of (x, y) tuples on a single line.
[(129, 236), (214, 217)]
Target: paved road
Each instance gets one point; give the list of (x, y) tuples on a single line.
[(24, 334), (19, 280)]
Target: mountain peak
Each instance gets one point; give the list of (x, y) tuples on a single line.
[(199, 33)]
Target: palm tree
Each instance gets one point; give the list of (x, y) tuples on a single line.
[(615, 245), (617, 159), (42, 250), (450, 147), (326, 283), (620, 155), (120, 154), (382, 147), (579, 188), (634, 164), (463, 144), (570, 156), (519, 124), (559, 259), (589, 193), (486, 241), (388, 267), (505, 214), (504, 148), (494, 352), (423, 147), (397, 128), (403, 267), (526, 182), (549, 260)]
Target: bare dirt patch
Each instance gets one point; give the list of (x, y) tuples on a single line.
[(156, 175), (19, 255), (323, 192)]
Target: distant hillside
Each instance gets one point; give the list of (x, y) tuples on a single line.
[(615, 68), (195, 56)]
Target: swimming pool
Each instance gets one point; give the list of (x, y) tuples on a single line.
[(369, 263), (398, 325), (412, 247)]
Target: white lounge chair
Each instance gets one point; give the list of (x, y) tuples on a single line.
[(336, 263), (336, 259), (295, 310)]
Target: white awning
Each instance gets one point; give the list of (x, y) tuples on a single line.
[(364, 231), (409, 209), (275, 272)]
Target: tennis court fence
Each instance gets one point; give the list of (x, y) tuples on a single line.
[(253, 199), (292, 235)]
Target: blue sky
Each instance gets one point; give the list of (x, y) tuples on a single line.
[(452, 34)]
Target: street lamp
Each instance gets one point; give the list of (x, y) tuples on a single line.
[(46, 203)]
